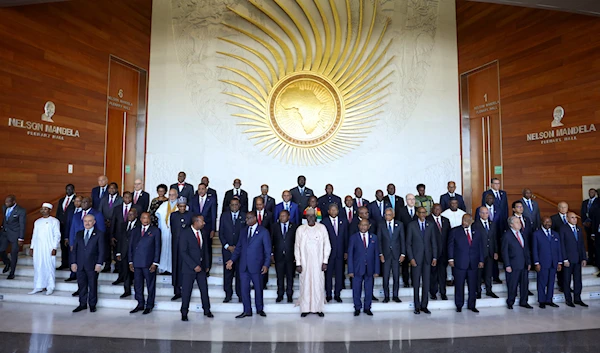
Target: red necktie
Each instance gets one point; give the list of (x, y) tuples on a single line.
[(364, 241), (259, 219), (143, 231), (125, 213), (519, 239), (349, 215), (522, 224), (359, 203), (67, 204), (468, 236), (438, 223), (137, 194), (198, 238)]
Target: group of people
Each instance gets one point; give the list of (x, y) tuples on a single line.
[(413, 241)]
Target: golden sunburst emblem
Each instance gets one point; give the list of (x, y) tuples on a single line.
[(309, 107)]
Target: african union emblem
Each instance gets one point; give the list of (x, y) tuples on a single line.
[(309, 107)]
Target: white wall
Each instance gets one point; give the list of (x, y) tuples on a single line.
[(190, 127)]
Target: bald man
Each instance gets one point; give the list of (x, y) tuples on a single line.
[(140, 197), (558, 220), (99, 192)]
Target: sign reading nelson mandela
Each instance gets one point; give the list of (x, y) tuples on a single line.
[(559, 132), (37, 129)]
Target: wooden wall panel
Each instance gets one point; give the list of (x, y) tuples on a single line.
[(546, 58), (60, 52)]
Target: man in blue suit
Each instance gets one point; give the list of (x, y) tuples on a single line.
[(144, 257), (253, 257), (337, 228), (231, 224), (99, 192), (465, 255), (515, 254), (573, 252), (71, 214), (548, 259), (445, 198), (193, 250), (363, 265), (87, 258), (291, 207)]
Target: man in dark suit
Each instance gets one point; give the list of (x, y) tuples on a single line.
[(595, 216), (349, 210), (71, 214), (65, 205), (230, 225), (86, 260), (327, 199), (179, 221), (12, 232), (283, 235), (144, 257), (210, 191), (377, 211), (548, 259), (253, 257), (496, 217), (358, 200), (268, 201), (238, 193), (588, 207), (438, 273), (573, 252), (300, 195), (407, 215), (205, 204), (486, 228), (531, 209), (123, 250), (500, 201), (361, 213), (337, 229), (445, 198), (465, 255), (107, 207), (421, 248), (265, 219), (392, 250), (118, 230), (515, 255), (526, 223), (558, 220), (140, 197), (77, 220), (394, 201), (363, 265), (290, 206), (99, 192), (183, 189), (194, 250)]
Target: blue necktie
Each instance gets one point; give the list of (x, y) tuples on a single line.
[(8, 212), (564, 219), (284, 230), (549, 234), (486, 226), (422, 228), (393, 201), (575, 232), (233, 217), (529, 204), (87, 237), (390, 229)]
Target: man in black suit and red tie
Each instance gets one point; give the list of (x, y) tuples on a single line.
[(349, 211), (359, 201), (183, 189), (144, 257), (265, 219), (140, 197), (65, 205)]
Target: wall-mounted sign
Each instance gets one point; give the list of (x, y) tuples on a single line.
[(559, 133), (119, 102), (37, 129)]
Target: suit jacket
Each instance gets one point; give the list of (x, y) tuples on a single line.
[(118, 225), (586, 215), (77, 224), (243, 196), (269, 205), (441, 236), (187, 191), (353, 227), (191, 253), (573, 249), (144, 251), (364, 202), (252, 253), (398, 205), (391, 246), (14, 226), (283, 246), (125, 239), (143, 200), (375, 215), (596, 223), (301, 200), (324, 202), (465, 256), (106, 210), (295, 216), (488, 237), (339, 243), (445, 201), (267, 219), (528, 229), (344, 212), (88, 256), (513, 254), (209, 211), (498, 219), (363, 261), (229, 233), (179, 222), (502, 205), (96, 197), (557, 222), (547, 252), (421, 247), (69, 222), (61, 215), (406, 219), (534, 215)]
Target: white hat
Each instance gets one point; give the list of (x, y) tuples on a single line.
[(47, 205)]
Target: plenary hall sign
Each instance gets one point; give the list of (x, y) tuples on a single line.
[(44, 130), (559, 132)]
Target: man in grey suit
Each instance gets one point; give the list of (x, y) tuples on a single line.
[(107, 207), (12, 232), (301, 194), (421, 248), (531, 209), (391, 252)]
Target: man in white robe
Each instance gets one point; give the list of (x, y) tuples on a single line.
[(164, 215), (312, 249), (44, 242)]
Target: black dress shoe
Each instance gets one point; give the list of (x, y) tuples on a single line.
[(553, 305), (278, 300), (375, 299), (106, 270), (117, 282), (580, 303), (356, 312), (290, 300), (147, 311), (396, 300), (92, 309), (328, 298), (70, 279), (243, 315), (125, 295), (11, 276), (337, 299), (526, 306), (80, 308), (321, 314), (262, 313), (75, 294), (509, 306), (474, 310), (478, 296), (529, 292), (571, 305), (184, 317), (166, 273), (115, 271), (433, 297), (137, 308), (209, 314), (425, 310), (444, 297), (542, 306), (369, 312), (304, 314), (406, 285), (175, 297), (6, 268), (386, 300), (449, 283), (458, 310), (417, 311), (226, 300), (561, 289), (491, 294), (497, 281)]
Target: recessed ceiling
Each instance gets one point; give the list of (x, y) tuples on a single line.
[(9, 3), (586, 7)]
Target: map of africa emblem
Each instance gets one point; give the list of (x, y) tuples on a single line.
[(311, 88)]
